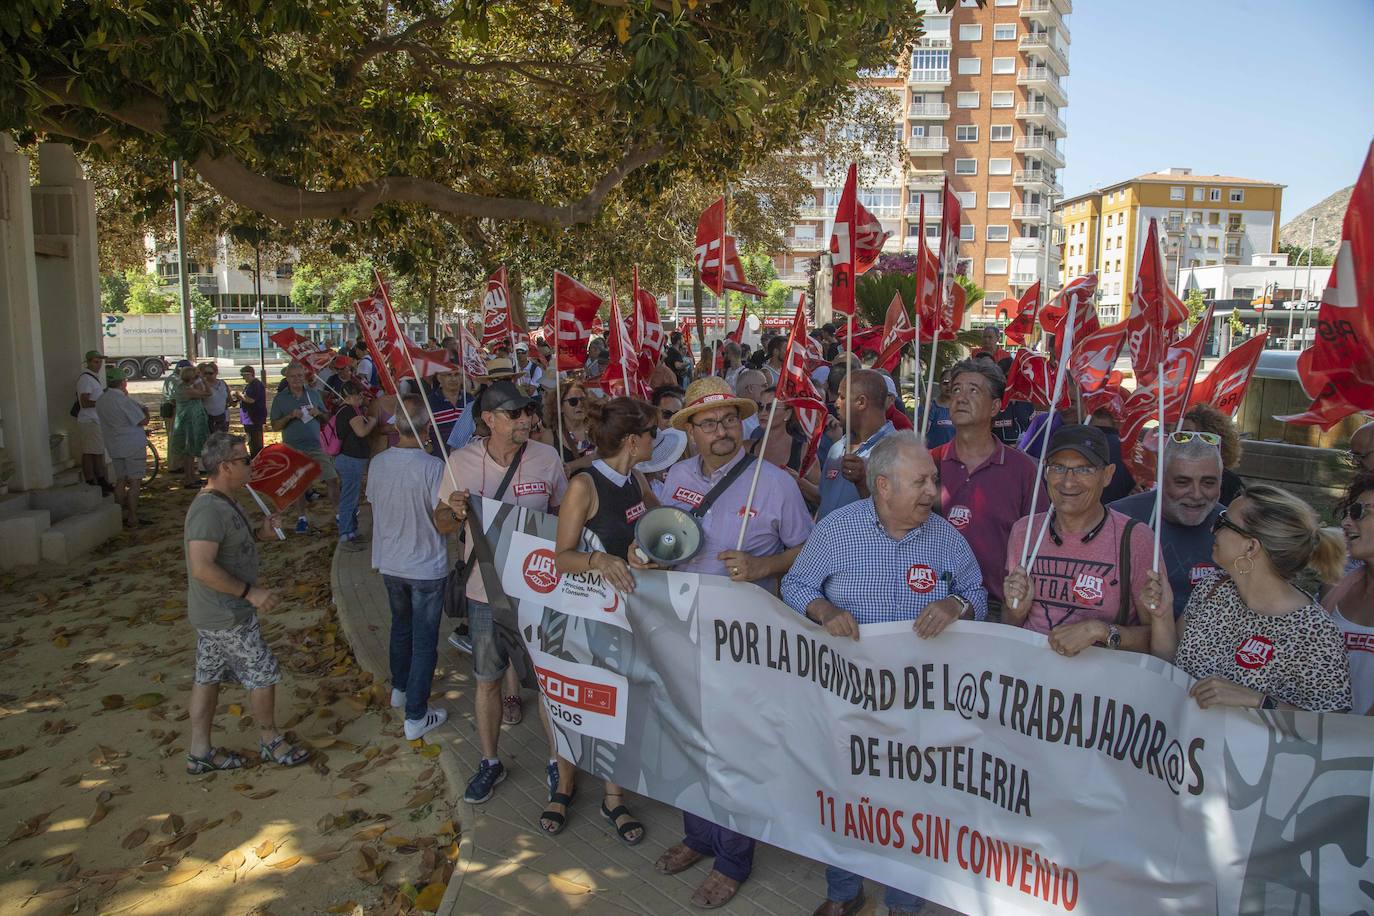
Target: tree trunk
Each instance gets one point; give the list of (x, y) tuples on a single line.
[(431, 303), (696, 307), (517, 299)]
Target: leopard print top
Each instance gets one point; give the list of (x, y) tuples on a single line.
[(1297, 658)]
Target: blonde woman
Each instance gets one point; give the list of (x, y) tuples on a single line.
[(1250, 636)]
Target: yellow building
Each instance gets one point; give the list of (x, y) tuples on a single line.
[(1203, 220)]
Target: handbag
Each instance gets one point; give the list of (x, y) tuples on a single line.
[(456, 584)]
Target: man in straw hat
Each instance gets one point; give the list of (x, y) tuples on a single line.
[(778, 525)]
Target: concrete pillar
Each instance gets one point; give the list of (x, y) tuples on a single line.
[(24, 411), (67, 268)]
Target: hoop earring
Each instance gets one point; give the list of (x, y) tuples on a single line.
[(1244, 572)]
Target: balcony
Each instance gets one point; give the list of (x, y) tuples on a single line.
[(1043, 79), (934, 208), (1043, 147), (1027, 246), (1030, 213), (927, 146), (814, 211), (935, 111), (1235, 229), (1042, 113), (1023, 280), (1047, 48), (1047, 14), (929, 78), (934, 42), (926, 180), (802, 243), (1038, 179)]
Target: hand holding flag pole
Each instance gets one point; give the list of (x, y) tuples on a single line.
[(281, 535)]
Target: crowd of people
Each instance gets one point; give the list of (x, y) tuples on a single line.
[(1258, 601)]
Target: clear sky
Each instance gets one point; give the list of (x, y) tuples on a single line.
[(1278, 90)]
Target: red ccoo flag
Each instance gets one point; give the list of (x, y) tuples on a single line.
[(1023, 322), (796, 389), (622, 364), (897, 333), (1142, 405), (1155, 311), (710, 246), (1224, 387), (1094, 355), (574, 314), (1338, 369), (303, 350), (497, 326), (950, 221), (734, 273), (843, 254), (282, 474), (646, 331)]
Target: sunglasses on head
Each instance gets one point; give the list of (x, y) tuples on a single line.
[(1224, 521), (1188, 435)]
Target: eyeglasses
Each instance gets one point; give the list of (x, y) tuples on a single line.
[(1184, 436), (1224, 522), (1060, 470), (573, 402), (1357, 511), (711, 426), (667, 414)]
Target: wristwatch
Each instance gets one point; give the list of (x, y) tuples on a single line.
[(1113, 636), (1268, 702), (965, 605)]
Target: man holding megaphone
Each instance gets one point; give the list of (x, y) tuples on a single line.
[(713, 486)]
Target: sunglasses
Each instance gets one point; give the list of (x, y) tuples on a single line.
[(667, 414), (573, 402), (519, 412), (1224, 522), (651, 431), (1184, 436), (1357, 511)]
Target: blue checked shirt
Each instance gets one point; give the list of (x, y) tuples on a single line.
[(850, 561)]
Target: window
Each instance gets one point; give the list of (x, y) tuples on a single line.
[(995, 295), (804, 232), (929, 64), (1003, 99), (1214, 218), (1237, 195), (1000, 132), (995, 266), (966, 232), (1176, 193), (1004, 65), (999, 200), (999, 166), (998, 233), (1233, 248), (1198, 193), (967, 199), (970, 33), (966, 100), (1214, 194), (971, 65), (966, 133), (1005, 31), (966, 166)]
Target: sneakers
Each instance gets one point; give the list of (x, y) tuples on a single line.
[(484, 782), (434, 717), (398, 698), (302, 525), (461, 640)]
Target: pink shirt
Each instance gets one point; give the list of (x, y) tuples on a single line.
[(1073, 581), (984, 503), (539, 483)]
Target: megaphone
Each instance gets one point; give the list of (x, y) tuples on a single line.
[(668, 536)]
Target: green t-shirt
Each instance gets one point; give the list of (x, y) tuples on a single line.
[(298, 433), (215, 518)]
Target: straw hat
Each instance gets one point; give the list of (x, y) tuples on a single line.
[(500, 367), (707, 393)]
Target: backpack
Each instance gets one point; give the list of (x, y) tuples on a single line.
[(330, 440), (76, 405)]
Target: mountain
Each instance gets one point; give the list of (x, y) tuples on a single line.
[(1329, 213)]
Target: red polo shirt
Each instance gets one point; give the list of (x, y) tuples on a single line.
[(983, 503)]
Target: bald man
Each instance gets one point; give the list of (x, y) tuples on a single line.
[(843, 476), (749, 383), (1362, 448)]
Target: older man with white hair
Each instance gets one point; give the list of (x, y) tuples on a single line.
[(1192, 493), (878, 560)]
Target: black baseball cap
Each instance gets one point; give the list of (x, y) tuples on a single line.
[(1088, 441), (503, 395)]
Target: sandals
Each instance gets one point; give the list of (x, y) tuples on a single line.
[(677, 859), (625, 829), (291, 758), (716, 891), (512, 710), (559, 820), (196, 766)]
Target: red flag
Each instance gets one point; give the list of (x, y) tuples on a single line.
[(404, 359), (1085, 324), (303, 350), (1054, 312), (687, 338), (843, 254), (1111, 397), (1142, 405), (949, 261), (897, 333), (737, 335), (378, 333), (1155, 311), (622, 363), (574, 308), (282, 474), (710, 245), (1023, 321), (1094, 355), (1338, 369), (796, 389), (865, 339), (869, 239), (497, 326), (472, 353), (646, 332), (1224, 387), (734, 273), (1030, 379)]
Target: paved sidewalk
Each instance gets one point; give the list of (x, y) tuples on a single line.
[(507, 864)]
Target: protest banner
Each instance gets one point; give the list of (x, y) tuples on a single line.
[(977, 769), (282, 474)]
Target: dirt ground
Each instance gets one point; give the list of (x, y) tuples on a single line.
[(97, 813)]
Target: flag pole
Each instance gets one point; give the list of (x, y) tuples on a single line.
[(619, 331), (557, 375), (916, 314), (848, 375), (281, 535), (1027, 555), (758, 466), (1197, 364), (1159, 464)]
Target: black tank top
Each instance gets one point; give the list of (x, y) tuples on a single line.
[(617, 510)]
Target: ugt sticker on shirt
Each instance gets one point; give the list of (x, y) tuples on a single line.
[(582, 698), (531, 574)]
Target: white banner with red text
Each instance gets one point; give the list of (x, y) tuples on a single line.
[(977, 769)]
